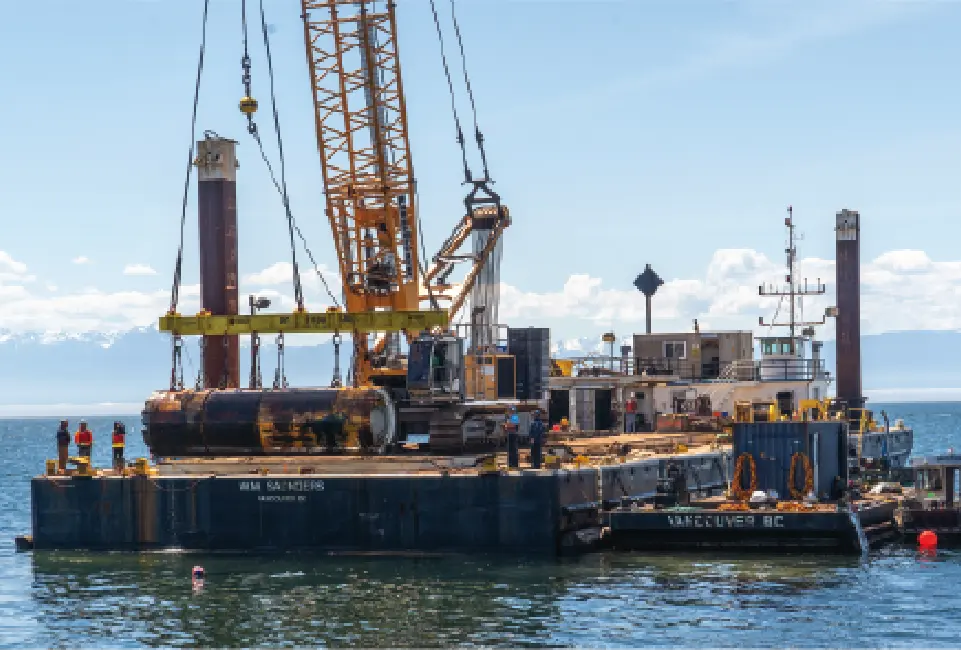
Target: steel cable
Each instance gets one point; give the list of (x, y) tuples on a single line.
[(178, 268), (298, 289), (280, 186), (478, 136), (450, 88)]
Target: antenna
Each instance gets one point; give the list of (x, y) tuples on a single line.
[(793, 290)]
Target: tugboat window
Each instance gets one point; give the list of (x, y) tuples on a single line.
[(675, 350)]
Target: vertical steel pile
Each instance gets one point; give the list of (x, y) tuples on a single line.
[(217, 226), (848, 321)]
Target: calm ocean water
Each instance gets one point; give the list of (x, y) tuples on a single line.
[(894, 598)]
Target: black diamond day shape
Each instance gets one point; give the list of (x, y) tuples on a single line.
[(648, 281)]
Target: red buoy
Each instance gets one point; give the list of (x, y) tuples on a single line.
[(928, 540)]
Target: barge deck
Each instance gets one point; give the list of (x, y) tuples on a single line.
[(350, 503)]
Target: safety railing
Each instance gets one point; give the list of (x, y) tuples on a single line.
[(741, 370)]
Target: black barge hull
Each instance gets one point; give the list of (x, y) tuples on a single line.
[(543, 513), (700, 529)]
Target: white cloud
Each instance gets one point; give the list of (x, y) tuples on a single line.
[(902, 290), (88, 311), (13, 273), (10, 265), (138, 269), (81, 260), (281, 274)]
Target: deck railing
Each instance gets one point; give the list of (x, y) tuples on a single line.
[(742, 370)]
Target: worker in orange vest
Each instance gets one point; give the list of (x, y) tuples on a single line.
[(84, 439), (117, 442), (630, 415)]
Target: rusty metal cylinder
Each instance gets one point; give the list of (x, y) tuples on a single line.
[(848, 320), (217, 226), (185, 424)]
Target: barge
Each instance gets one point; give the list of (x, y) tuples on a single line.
[(931, 503), (465, 503), (818, 529), (789, 492)]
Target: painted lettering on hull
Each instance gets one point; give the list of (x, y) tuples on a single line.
[(296, 485), (725, 521)]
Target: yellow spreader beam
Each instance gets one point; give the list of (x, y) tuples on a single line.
[(304, 322)]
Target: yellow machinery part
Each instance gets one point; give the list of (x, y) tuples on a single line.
[(481, 381), (743, 412), (304, 322), (562, 367)]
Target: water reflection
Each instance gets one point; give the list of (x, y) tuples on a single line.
[(148, 599), (896, 598), (605, 599)]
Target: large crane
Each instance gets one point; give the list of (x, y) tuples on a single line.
[(362, 136), (370, 193), (367, 169), (437, 395)]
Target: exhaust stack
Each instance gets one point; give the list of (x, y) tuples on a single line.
[(848, 320), (217, 225)]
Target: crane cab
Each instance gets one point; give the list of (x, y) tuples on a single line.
[(435, 367)]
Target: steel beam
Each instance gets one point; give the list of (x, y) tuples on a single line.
[(304, 322)]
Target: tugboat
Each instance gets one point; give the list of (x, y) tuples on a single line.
[(931, 505), (705, 381)]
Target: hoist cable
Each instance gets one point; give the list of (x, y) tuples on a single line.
[(280, 187), (423, 250), (450, 88), (298, 289), (178, 268), (478, 136)]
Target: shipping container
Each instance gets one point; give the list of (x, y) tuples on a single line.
[(773, 444), (531, 347)]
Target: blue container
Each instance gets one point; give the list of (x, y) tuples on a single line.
[(772, 444)]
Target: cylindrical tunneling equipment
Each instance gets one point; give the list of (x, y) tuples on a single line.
[(264, 422), (217, 226)]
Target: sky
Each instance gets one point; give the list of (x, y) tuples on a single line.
[(619, 133)]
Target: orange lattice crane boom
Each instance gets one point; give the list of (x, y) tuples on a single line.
[(361, 126)]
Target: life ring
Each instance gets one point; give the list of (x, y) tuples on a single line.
[(808, 476), (736, 481)]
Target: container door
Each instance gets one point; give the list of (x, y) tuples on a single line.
[(559, 407), (603, 416), (785, 403), (506, 379)]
